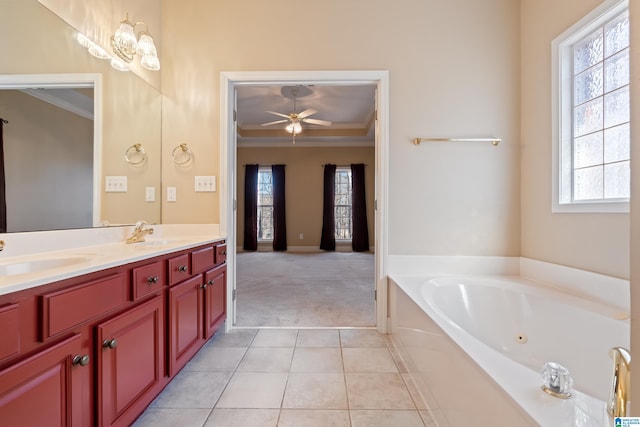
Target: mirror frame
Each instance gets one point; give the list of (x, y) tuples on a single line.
[(71, 80)]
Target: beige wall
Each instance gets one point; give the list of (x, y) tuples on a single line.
[(48, 155), (454, 72), (595, 242), (304, 186)]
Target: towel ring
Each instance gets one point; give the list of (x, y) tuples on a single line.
[(186, 152), (137, 149)]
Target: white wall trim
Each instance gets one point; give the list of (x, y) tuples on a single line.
[(228, 148)]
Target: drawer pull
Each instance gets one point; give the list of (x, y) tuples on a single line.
[(182, 268), (224, 252), (80, 360), (204, 286), (153, 279), (112, 343)]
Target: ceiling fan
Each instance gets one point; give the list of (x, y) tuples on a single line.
[(295, 120)]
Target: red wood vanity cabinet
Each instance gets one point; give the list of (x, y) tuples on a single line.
[(196, 302), (96, 349)]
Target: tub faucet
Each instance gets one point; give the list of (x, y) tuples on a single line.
[(620, 393), (139, 232)]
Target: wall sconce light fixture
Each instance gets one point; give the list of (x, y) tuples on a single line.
[(125, 44)]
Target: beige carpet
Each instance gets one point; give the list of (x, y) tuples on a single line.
[(327, 289)]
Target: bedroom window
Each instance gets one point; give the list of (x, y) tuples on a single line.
[(265, 204), (592, 120), (343, 201)]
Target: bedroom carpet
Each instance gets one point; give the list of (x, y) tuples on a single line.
[(282, 289)]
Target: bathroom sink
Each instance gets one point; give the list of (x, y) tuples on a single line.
[(34, 266)]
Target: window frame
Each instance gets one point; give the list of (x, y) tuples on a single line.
[(562, 118), (343, 169), (263, 169)]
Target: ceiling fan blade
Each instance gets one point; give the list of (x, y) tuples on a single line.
[(274, 123), (306, 113), (318, 122), (278, 114)]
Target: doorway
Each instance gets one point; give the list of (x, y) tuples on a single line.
[(230, 81)]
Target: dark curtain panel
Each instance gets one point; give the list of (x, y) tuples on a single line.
[(279, 211), (328, 240), (250, 208), (360, 236), (3, 194)]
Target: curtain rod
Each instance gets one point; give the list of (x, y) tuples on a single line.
[(263, 166), (343, 166)]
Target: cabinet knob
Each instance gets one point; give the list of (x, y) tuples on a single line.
[(153, 279), (204, 286), (224, 252), (80, 360), (182, 268), (112, 343)]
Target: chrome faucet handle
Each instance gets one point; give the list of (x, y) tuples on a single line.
[(1, 245), (140, 225)]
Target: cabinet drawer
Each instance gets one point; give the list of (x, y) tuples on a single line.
[(179, 269), (10, 327), (202, 259), (65, 309), (147, 279), (221, 253)]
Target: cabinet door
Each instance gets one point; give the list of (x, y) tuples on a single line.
[(185, 314), (45, 389), (215, 299), (130, 362)]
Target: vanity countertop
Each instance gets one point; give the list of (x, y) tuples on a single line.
[(30, 260)]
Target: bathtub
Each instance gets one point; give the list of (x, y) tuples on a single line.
[(474, 346)]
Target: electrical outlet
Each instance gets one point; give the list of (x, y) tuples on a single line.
[(115, 184), (150, 194), (205, 184), (171, 194)]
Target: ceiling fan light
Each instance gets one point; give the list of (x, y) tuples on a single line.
[(294, 128)]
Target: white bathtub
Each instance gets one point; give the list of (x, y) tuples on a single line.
[(508, 327)]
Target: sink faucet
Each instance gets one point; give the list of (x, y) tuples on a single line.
[(620, 393), (139, 232)]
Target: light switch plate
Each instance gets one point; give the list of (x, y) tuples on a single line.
[(171, 194), (115, 184), (150, 194), (205, 184)]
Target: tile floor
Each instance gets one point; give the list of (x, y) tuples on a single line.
[(291, 377)]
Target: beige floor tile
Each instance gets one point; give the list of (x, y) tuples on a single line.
[(361, 338), (211, 358), (233, 338), (317, 360), (318, 338), (193, 390), (368, 360), (266, 359), (430, 418), (254, 390), (170, 417), (243, 418), (275, 338), (377, 391), (314, 418), (386, 418), (315, 391)]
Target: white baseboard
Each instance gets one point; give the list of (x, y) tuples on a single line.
[(309, 249)]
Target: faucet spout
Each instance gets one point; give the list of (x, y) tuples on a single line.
[(139, 232), (620, 394)]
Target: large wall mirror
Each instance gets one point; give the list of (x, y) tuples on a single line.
[(72, 120)]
